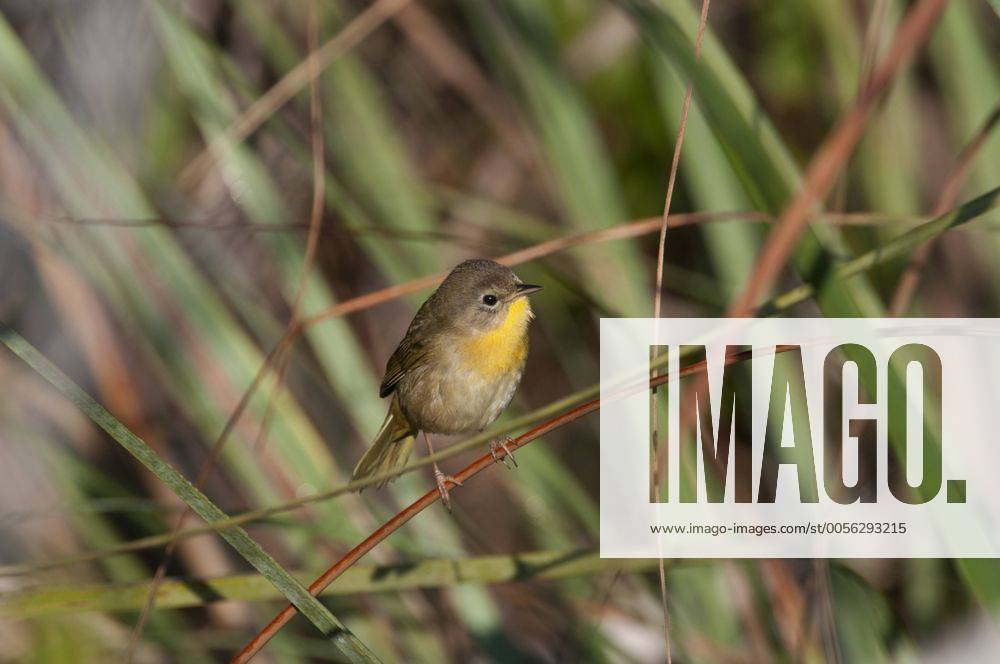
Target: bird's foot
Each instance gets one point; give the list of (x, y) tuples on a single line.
[(442, 485), (498, 445)]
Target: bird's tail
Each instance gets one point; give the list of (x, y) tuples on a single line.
[(390, 449)]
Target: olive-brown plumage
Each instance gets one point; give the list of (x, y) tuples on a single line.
[(457, 366)]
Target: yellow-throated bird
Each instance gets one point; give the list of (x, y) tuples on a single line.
[(457, 366)]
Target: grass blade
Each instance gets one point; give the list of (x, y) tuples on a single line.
[(310, 607), (891, 249), (431, 573)]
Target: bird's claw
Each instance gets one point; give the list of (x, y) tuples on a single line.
[(442, 485), (508, 454)]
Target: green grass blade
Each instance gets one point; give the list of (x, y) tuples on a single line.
[(755, 151), (431, 573), (712, 184), (964, 61), (894, 248), (252, 552), (905, 242), (574, 150), (95, 184)]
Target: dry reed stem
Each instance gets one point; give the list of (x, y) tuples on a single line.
[(80, 307), (804, 636), (827, 162), (353, 305), (540, 250), (677, 220), (829, 159), (356, 304), (290, 84), (632, 229), (315, 224), (471, 470), (907, 286), (315, 215), (657, 301)]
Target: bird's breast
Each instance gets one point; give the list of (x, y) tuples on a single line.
[(471, 379)]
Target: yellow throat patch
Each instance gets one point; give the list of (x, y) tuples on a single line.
[(502, 349)]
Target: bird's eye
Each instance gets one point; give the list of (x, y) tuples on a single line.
[(489, 299)]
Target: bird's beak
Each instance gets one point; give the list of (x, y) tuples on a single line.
[(526, 289)]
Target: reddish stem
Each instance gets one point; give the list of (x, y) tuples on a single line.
[(432, 496)]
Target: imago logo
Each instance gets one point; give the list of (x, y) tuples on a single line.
[(800, 437), (714, 435)]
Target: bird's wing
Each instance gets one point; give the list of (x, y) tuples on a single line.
[(413, 350), (409, 354)]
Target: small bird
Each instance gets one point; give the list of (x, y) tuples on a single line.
[(456, 368)]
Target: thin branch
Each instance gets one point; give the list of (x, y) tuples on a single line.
[(876, 256), (633, 229), (318, 160), (462, 476)]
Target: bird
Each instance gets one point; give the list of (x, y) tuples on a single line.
[(456, 368)]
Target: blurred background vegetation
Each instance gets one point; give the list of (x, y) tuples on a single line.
[(154, 220)]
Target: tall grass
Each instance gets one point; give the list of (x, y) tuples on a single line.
[(428, 162)]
